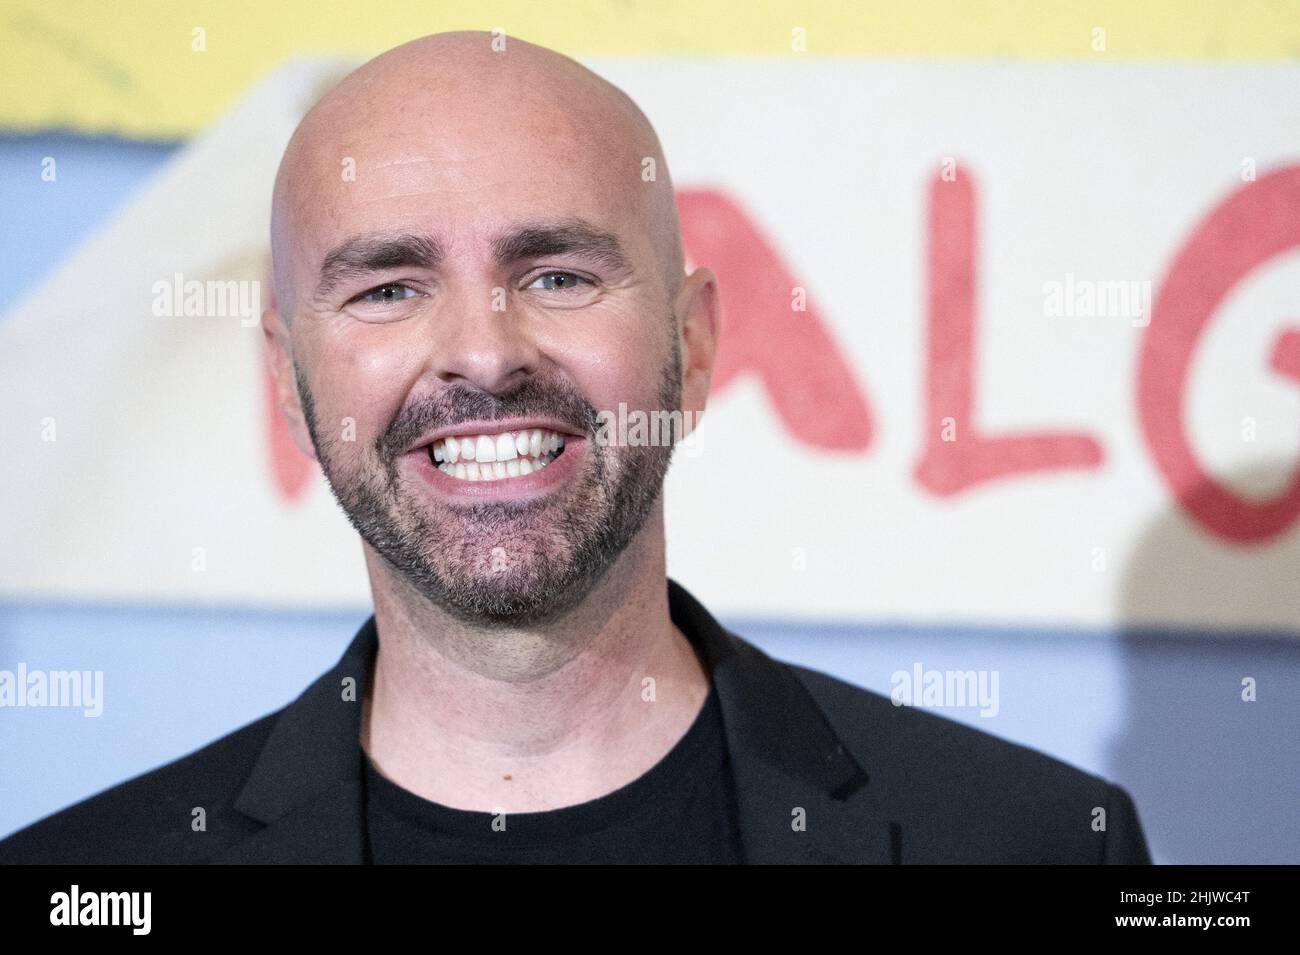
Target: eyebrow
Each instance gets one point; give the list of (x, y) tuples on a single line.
[(562, 237), (366, 254), (376, 252)]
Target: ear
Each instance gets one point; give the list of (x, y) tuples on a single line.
[(279, 356), (700, 315)]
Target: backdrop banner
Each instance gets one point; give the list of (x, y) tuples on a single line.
[(1003, 344)]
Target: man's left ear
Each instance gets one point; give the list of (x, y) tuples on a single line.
[(700, 311)]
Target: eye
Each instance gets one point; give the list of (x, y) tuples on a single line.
[(386, 294), (559, 281)]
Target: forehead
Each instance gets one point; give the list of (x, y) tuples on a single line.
[(464, 174)]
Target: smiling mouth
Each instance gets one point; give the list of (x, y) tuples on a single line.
[(496, 457)]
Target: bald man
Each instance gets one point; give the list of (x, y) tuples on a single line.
[(477, 262)]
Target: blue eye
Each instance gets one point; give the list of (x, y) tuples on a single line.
[(558, 281), (386, 294)]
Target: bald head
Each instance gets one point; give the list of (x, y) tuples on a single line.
[(443, 122)]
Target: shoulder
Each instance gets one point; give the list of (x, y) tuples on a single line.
[(867, 719), (151, 817), (963, 794)]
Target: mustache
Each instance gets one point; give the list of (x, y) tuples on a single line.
[(456, 403)]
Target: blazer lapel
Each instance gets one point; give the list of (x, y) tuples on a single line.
[(327, 829), (801, 796), (307, 783)]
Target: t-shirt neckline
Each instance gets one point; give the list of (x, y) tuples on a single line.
[(682, 765)]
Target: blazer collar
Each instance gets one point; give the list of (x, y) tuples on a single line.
[(801, 796)]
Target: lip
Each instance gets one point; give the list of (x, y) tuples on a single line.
[(527, 486), (499, 426)]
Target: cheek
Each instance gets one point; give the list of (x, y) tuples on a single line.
[(612, 365), (364, 378)]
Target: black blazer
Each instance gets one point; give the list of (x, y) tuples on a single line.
[(872, 782)]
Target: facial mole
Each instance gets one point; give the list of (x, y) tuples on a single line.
[(506, 777)]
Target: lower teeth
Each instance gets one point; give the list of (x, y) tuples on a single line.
[(494, 471)]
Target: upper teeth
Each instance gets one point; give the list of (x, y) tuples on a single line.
[(478, 457)]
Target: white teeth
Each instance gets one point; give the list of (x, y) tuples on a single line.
[(492, 457), (496, 470)]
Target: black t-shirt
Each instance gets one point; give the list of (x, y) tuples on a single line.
[(681, 810)]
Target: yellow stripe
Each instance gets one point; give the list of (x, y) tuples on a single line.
[(128, 67)]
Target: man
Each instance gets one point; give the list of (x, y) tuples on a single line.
[(476, 254)]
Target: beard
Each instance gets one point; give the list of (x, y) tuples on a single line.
[(515, 563)]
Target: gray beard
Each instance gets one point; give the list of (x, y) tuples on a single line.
[(514, 563)]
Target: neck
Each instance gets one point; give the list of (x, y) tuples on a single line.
[(530, 719)]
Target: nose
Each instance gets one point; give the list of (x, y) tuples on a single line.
[(481, 341)]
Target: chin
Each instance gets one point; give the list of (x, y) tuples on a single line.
[(501, 610), (507, 600)]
